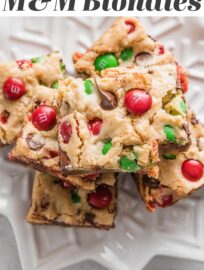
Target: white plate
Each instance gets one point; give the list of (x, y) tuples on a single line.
[(177, 231)]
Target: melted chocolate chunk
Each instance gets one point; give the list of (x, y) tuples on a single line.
[(32, 143), (57, 181), (108, 99), (89, 217), (150, 182)]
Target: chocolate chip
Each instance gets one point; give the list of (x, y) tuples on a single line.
[(144, 59), (89, 217), (57, 181), (37, 103), (64, 161), (33, 143), (108, 99), (150, 182)]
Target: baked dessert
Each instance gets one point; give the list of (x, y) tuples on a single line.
[(179, 174), (55, 202), (108, 123), (37, 145), (115, 121), (125, 43), (18, 81)]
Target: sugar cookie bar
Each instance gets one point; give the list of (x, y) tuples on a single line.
[(108, 123), (18, 81), (55, 202), (115, 121), (37, 145), (179, 174), (126, 44)]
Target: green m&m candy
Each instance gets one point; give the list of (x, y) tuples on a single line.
[(170, 133), (75, 197), (169, 156), (126, 54), (55, 85), (106, 61), (129, 165), (88, 87), (107, 146)]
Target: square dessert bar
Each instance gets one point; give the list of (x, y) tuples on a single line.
[(18, 81), (179, 174), (55, 202), (54, 111), (125, 43), (37, 144), (115, 121), (96, 132)]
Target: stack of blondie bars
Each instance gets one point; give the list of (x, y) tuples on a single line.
[(125, 113)]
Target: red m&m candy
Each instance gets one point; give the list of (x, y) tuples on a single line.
[(13, 88), (44, 118), (138, 101), (167, 200), (66, 131), (101, 198), (95, 125), (192, 170), (131, 26), (4, 116), (161, 49)]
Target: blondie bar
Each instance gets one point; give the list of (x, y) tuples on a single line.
[(37, 144), (109, 123), (179, 174), (56, 202), (18, 82), (115, 121), (125, 43)]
